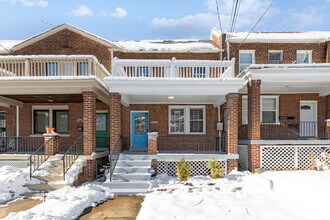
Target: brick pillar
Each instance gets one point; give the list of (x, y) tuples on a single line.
[(232, 129), (152, 143), (115, 122), (52, 144), (91, 170), (254, 132), (89, 120)]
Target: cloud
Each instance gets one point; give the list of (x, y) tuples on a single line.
[(298, 20), (28, 3), (118, 13), (82, 11), (199, 25)]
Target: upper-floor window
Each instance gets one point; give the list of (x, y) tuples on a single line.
[(246, 58), (304, 56), (275, 57), (199, 72), (244, 110)]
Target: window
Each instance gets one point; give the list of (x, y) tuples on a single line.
[(50, 116), (52, 69), (82, 69), (199, 72), (244, 110), (246, 58), (275, 57), (61, 122), (41, 121), (142, 71), (187, 120), (269, 109), (304, 56)]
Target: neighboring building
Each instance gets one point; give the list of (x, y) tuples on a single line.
[(285, 105)]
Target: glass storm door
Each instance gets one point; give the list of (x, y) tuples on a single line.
[(102, 131), (139, 129)]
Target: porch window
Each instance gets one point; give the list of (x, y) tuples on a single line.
[(269, 109), (304, 56), (61, 121), (187, 120), (275, 57), (246, 58), (41, 121), (52, 69), (199, 72), (244, 110), (82, 68)]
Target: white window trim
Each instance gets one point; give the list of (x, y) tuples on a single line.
[(50, 109), (276, 51), (186, 120), (277, 108), (253, 52), (247, 121), (309, 52)]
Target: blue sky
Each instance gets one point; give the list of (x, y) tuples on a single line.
[(157, 19)]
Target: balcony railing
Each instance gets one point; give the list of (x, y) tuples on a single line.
[(173, 68), (51, 66)]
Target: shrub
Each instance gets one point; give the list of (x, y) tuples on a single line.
[(216, 170), (183, 170)]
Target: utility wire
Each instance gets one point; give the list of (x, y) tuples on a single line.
[(255, 25), (219, 18), (235, 19)]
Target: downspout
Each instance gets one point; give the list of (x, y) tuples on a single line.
[(17, 126)]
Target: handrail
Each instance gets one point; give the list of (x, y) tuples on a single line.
[(72, 154), (112, 153), (36, 160)]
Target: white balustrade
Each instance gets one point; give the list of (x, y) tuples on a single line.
[(51, 66), (173, 68)]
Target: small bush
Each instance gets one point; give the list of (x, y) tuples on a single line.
[(216, 171), (183, 170)]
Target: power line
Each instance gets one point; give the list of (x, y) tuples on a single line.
[(235, 19), (255, 25), (219, 18)]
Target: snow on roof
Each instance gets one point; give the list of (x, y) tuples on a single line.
[(6, 45), (280, 37), (167, 45)]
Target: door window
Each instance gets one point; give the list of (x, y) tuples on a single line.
[(140, 125), (2, 124), (101, 122)]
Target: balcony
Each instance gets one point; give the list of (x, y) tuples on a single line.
[(55, 66), (190, 69)]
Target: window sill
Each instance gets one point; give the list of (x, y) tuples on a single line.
[(41, 135)]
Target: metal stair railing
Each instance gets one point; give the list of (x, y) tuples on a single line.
[(38, 157), (72, 154)]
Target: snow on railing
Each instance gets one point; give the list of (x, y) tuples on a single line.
[(173, 68), (52, 66)]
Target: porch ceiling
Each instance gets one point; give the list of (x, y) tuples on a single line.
[(313, 79)]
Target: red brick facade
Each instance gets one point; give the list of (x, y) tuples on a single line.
[(89, 120), (115, 120)]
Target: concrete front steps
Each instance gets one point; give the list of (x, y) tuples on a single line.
[(130, 176), (54, 180)]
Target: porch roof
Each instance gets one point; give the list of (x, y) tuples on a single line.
[(290, 78)]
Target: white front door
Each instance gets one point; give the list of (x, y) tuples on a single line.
[(308, 119)]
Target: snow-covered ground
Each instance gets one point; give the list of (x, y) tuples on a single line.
[(240, 195), (12, 181), (66, 203)]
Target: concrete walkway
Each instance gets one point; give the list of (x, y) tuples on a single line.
[(121, 207), (18, 206)]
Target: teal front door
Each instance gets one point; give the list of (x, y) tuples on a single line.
[(139, 130), (102, 130)]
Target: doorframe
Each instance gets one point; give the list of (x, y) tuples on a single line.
[(130, 124), (108, 124), (315, 109)]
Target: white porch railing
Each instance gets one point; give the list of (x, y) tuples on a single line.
[(173, 68), (51, 66)]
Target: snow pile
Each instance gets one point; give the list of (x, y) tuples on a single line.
[(160, 45), (240, 195), (66, 203), (73, 172), (7, 45), (12, 181)]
